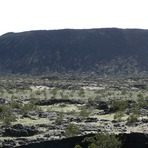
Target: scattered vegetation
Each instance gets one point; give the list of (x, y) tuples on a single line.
[(103, 140), (132, 118), (6, 114), (135, 113), (118, 105), (26, 108), (72, 130), (118, 115), (59, 120), (81, 93)]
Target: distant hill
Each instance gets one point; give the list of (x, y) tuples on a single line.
[(109, 51)]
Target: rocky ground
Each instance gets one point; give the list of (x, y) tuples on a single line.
[(38, 109)]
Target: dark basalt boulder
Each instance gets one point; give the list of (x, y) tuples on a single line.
[(102, 105), (19, 130), (91, 120), (140, 86), (8, 144), (144, 120), (3, 101), (57, 101), (135, 140)]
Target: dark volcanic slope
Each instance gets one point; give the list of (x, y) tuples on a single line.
[(104, 51)]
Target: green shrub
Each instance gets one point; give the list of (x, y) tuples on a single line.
[(38, 92), (118, 105), (92, 102), (84, 113), (72, 130), (103, 140), (140, 96), (77, 146), (7, 120), (6, 114), (123, 92), (59, 120), (135, 113), (118, 115), (142, 102), (15, 104), (54, 92), (72, 112), (135, 109), (81, 93), (132, 118), (29, 107)]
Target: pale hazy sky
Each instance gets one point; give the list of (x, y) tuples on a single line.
[(25, 15)]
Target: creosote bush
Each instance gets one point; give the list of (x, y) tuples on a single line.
[(59, 120), (118, 105), (6, 114), (135, 113), (15, 104), (118, 116), (29, 107), (72, 130), (91, 102), (142, 102), (132, 118)]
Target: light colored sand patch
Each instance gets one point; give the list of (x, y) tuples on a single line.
[(93, 88), (60, 108), (40, 87), (27, 121)]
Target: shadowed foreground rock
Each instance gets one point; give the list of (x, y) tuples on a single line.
[(132, 140)]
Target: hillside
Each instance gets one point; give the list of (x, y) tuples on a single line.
[(102, 51)]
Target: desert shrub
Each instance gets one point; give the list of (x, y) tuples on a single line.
[(135, 113), (7, 120), (118, 105), (81, 93), (130, 94), (32, 96), (38, 92), (84, 113), (103, 140), (132, 118), (135, 109), (15, 104), (6, 114), (72, 112), (65, 96), (142, 102), (123, 92), (71, 94), (140, 96), (77, 146), (29, 107), (44, 93), (54, 92), (9, 91), (72, 130), (59, 120), (91, 102), (118, 115)]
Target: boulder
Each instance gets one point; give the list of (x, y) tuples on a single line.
[(19, 130)]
